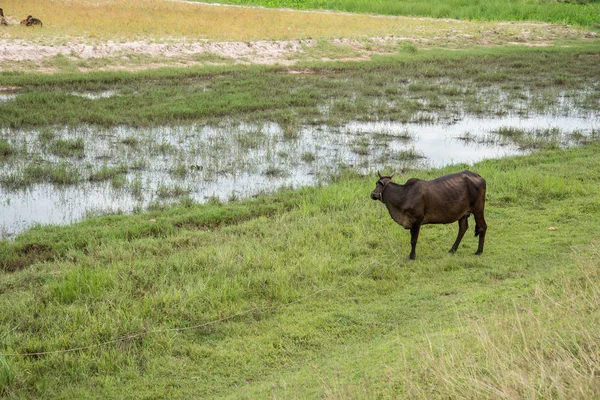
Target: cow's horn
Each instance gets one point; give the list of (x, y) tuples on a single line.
[(379, 175)]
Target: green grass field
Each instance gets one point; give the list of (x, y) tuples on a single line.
[(310, 294), (578, 12), (306, 293)]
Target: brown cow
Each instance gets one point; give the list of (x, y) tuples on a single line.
[(2, 19), (31, 21), (442, 200)]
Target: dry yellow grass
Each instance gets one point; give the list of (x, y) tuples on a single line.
[(164, 19), (89, 35)]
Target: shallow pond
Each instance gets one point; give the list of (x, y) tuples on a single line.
[(125, 169)]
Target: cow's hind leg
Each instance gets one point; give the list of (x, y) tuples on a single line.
[(480, 228), (463, 225)]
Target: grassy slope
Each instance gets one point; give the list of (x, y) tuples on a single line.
[(579, 12), (328, 303), (323, 299)]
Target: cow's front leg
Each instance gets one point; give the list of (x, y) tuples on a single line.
[(414, 236)]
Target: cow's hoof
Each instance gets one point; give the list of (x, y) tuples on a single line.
[(452, 251)]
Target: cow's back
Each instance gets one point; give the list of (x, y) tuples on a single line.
[(450, 197)]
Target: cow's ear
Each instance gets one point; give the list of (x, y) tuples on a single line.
[(379, 175)]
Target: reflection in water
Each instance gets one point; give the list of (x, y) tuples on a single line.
[(96, 95), (239, 160), (7, 96)]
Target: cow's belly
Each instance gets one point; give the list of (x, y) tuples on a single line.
[(444, 218)]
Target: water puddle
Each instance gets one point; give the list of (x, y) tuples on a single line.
[(88, 95), (6, 97), (96, 95), (60, 176)]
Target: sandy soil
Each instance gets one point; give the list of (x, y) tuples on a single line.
[(262, 52)]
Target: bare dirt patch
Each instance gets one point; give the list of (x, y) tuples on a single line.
[(4, 89), (134, 55)]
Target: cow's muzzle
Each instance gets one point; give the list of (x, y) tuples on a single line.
[(375, 196)]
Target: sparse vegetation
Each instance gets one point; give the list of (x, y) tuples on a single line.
[(308, 157), (179, 171), (273, 171), (107, 173), (5, 149), (46, 136), (68, 148), (251, 139), (342, 93), (131, 141), (166, 192), (406, 155), (41, 172)]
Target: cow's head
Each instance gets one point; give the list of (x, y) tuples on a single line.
[(380, 186)]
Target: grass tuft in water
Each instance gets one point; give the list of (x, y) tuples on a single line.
[(410, 154), (68, 148), (308, 157), (273, 171), (61, 174), (131, 141), (107, 173), (251, 139), (165, 192), (6, 149), (511, 132), (179, 171), (46, 136), (136, 188)]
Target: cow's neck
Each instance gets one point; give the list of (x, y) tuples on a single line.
[(393, 195)]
